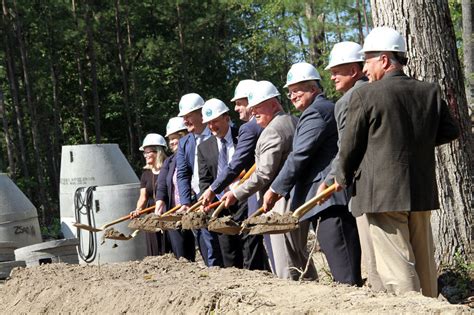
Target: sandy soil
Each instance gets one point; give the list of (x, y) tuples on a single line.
[(166, 285)]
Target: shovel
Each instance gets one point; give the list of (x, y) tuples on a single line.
[(113, 234), (103, 227), (283, 223)]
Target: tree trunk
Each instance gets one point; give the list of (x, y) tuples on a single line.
[(468, 43), (93, 60), (359, 21), (134, 85), (184, 61), (8, 139), (124, 71), (423, 23), (57, 137), (80, 75), (315, 34), (33, 116), (13, 83)]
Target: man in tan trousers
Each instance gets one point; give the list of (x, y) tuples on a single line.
[(395, 123)]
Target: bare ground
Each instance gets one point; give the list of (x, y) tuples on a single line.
[(166, 285)]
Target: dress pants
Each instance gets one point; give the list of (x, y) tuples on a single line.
[(231, 250), (404, 251), (368, 255), (182, 244), (208, 243), (339, 241)]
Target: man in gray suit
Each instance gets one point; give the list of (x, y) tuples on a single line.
[(346, 62), (271, 151), (314, 147), (395, 123)]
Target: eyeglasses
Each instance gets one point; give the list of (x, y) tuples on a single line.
[(297, 93), (148, 153)]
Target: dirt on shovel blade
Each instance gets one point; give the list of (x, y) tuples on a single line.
[(272, 228), (273, 218), (224, 225), (151, 223), (194, 220), (113, 234)]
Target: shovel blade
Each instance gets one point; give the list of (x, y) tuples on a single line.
[(170, 218), (86, 227), (272, 229)]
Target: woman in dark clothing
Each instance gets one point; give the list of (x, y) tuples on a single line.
[(153, 148), (167, 196)]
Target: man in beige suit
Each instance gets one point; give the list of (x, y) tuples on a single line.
[(272, 149), (395, 122)]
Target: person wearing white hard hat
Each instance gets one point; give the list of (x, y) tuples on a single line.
[(255, 257), (167, 194), (271, 151), (187, 172), (395, 122), (314, 146), (214, 154), (153, 147), (346, 62)]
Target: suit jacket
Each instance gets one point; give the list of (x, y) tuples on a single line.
[(185, 163), (271, 151), (314, 146), (340, 112), (244, 155), (208, 156), (395, 124), (165, 189)]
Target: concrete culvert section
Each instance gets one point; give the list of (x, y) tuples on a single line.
[(86, 166), (18, 216), (56, 251)]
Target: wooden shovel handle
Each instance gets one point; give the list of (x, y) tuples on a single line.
[(247, 174), (195, 206), (219, 209), (308, 205), (128, 217), (172, 210), (256, 213)]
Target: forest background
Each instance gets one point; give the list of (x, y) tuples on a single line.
[(87, 71)]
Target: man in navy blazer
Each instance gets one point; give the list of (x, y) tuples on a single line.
[(187, 171), (314, 147), (243, 159), (214, 155)]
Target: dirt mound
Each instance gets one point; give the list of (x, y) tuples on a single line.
[(166, 285)]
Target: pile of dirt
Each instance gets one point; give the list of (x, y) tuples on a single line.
[(166, 285)]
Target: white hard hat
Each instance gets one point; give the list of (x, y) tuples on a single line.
[(260, 92), (384, 39), (212, 109), (301, 71), (189, 103), (175, 124), (345, 52), (242, 90), (153, 139)]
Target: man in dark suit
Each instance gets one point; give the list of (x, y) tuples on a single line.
[(346, 62), (214, 155), (243, 159), (395, 124), (187, 171), (314, 147)]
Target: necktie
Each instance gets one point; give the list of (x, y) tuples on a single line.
[(195, 178), (222, 161)]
